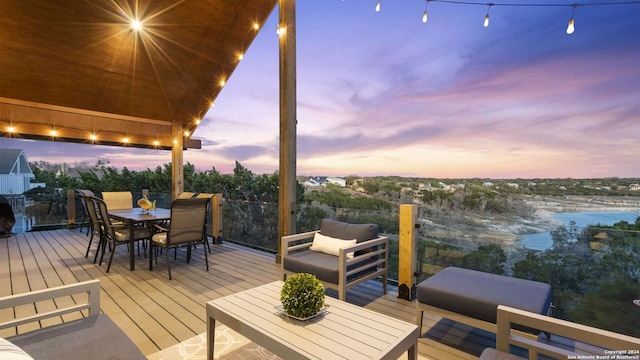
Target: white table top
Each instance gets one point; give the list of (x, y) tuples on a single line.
[(345, 331)]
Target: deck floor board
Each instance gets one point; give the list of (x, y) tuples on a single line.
[(157, 313)]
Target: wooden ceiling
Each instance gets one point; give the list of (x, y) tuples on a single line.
[(78, 67)]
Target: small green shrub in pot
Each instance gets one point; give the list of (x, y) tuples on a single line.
[(302, 295)]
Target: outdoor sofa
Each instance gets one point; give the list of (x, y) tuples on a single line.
[(90, 336), (578, 341), (340, 255)]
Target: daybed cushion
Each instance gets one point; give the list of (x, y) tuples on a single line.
[(477, 294), (93, 337)]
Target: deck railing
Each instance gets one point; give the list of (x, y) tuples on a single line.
[(594, 281)]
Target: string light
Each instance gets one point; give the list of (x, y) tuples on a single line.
[(571, 26), (425, 14), (56, 132), (486, 18)]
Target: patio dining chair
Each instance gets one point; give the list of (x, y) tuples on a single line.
[(209, 216), (186, 195), (94, 222), (118, 200), (115, 235), (186, 228), (81, 211)]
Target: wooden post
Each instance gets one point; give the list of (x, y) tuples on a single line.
[(177, 167), (287, 169), (216, 218), (71, 209), (407, 251)]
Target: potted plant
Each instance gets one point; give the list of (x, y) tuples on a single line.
[(302, 295)]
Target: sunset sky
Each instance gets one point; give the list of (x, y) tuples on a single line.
[(381, 93)]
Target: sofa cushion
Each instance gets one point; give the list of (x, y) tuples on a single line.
[(94, 337), (11, 351), (323, 266), (346, 231), (330, 245)]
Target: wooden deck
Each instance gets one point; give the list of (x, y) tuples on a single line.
[(157, 313)]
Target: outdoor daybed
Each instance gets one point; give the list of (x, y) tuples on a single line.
[(472, 297), (340, 255), (92, 336)]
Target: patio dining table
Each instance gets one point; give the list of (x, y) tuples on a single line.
[(134, 216)]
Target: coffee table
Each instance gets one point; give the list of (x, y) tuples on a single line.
[(344, 331)]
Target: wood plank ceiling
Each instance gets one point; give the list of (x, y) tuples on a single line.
[(78, 67)]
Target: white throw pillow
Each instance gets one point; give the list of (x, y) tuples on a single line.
[(331, 246), (10, 351)]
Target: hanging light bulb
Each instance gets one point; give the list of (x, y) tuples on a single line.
[(136, 24), (425, 15), (571, 27), (378, 6), (486, 18)]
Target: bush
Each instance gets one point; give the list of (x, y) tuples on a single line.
[(302, 295)]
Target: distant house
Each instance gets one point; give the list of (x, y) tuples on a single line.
[(487, 184), (634, 187), (337, 181), (322, 181), (15, 179), (313, 182), (15, 172)]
